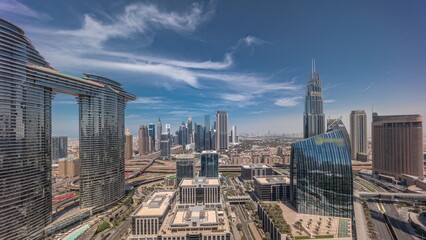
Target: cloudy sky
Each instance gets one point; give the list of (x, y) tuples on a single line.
[(250, 58)]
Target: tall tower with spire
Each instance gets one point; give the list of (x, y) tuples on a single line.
[(159, 131), (313, 118)]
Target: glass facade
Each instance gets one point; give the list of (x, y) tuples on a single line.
[(209, 164), (321, 175), (313, 118), (27, 87)]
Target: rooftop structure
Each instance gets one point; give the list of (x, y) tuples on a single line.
[(200, 181), (156, 204), (272, 188)]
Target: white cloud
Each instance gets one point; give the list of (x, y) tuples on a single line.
[(288, 102), (148, 100), (236, 97), (329, 101), (15, 7)]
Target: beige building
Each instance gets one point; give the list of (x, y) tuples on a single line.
[(397, 145), (358, 131), (128, 147), (68, 167), (200, 190), (144, 140)]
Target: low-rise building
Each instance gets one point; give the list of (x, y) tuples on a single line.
[(199, 190), (272, 188), (150, 215), (248, 171)]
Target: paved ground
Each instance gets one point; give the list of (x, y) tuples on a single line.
[(360, 223)]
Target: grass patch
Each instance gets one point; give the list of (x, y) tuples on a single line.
[(102, 227), (324, 236), (230, 174), (302, 237)]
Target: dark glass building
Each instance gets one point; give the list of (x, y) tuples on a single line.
[(209, 164), (59, 147), (151, 134), (321, 175), (184, 167), (27, 86)]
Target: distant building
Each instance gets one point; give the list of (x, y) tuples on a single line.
[(321, 175), (68, 167), (152, 138), (159, 132), (199, 190), (248, 171), (59, 147), (150, 215), (190, 131), (313, 118), (397, 145), (272, 188), (234, 137), (221, 130), (128, 147), (358, 121), (199, 137), (165, 145), (209, 164), (144, 140), (208, 133), (184, 167)]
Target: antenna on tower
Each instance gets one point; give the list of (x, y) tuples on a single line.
[(313, 65)]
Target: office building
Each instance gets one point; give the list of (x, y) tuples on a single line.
[(28, 86), (68, 167), (199, 191), (158, 137), (234, 137), (221, 130), (336, 124), (272, 188), (59, 147), (190, 131), (321, 175), (358, 121), (168, 128), (148, 218), (209, 164), (128, 147), (313, 118), (144, 140), (184, 167), (152, 137), (397, 145), (165, 145), (199, 138), (248, 171), (182, 135)]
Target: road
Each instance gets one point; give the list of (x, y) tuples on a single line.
[(244, 222), (121, 230)]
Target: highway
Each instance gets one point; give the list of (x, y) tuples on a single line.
[(121, 230)]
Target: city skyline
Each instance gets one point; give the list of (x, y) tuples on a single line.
[(175, 63)]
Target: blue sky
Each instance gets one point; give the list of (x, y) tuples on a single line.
[(250, 58)]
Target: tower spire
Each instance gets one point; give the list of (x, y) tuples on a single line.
[(313, 65)]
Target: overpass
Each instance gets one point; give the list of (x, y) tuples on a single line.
[(392, 196)]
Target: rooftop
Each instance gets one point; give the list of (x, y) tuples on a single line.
[(185, 156), (209, 152), (195, 216), (156, 204), (254, 165), (200, 181), (272, 179), (397, 118)]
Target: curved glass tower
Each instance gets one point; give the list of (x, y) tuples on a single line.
[(313, 117), (27, 87), (321, 175)]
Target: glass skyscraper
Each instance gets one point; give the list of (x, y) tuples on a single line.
[(27, 85), (209, 164), (321, 175), (313, 118), (184, 168)]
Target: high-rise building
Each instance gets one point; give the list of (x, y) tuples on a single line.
[(321, 175), (144, 140), (184, 167), (165, 145), (209, 164), (208, 133), (313, 118), (128, 148), (397, 145), (152, 137), (234, 137), (199, 138), (159, 133), (59, 147), (358, 121), (182, 135), (190, 131), (28, 85), (221, 130), (336, 124), (168, 128), (68, 167)]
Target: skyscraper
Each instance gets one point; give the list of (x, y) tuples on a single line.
[(234, 138), (209, 164), (153, 138), (199, 138), (159, 132), (184, 167), (182, 135), (321, 175), (28, 86), (336, 124), (358, 121), (313, 119), (190, 131), (59, 147), (128, 148), (165, 145), (397, 145), (221, 130), (208, 133), (144, 140)]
